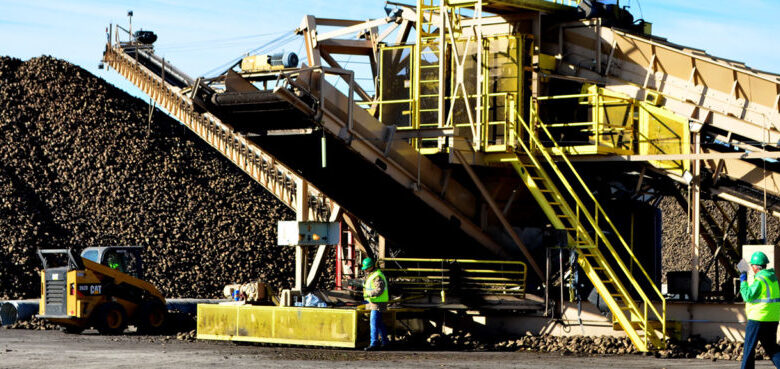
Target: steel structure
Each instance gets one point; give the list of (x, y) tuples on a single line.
[(484, 115)]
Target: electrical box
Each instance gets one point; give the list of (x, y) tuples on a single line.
[(654, 98), (770, 251), (547, 62), (679, 283), (293, 233)]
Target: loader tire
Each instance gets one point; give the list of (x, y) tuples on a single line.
[(152, 317), (111, 319)]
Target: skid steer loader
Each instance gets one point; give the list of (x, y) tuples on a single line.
[(102, 288)]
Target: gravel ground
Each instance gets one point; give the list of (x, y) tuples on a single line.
[(51, 349), (182, 328)]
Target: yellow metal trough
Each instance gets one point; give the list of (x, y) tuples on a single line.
[(281, 325)]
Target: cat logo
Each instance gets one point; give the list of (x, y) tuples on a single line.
[(90, 289)]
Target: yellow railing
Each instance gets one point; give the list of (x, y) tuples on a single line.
[(494, 134), (455, 276), (533, 4), (610, 128), (396, 96), (597, 221)]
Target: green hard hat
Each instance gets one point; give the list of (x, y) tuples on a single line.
[(369, 262), (758, 258)]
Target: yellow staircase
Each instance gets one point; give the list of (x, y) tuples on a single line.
[(587, 226)]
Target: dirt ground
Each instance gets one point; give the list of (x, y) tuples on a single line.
[(53, 349)]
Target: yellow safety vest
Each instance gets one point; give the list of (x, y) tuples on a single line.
[(765, 307), (369, 285)]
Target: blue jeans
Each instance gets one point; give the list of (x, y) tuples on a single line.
[(378, 328), (766, 332)]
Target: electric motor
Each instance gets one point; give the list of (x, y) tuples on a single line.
[(145, 37)]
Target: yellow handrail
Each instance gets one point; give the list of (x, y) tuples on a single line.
[(599, 208), (508, 277), (600, 126), (461, 261), (581, 234)]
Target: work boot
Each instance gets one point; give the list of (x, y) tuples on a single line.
[(371, 348)]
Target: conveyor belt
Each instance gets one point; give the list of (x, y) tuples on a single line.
[(735, 103), (277, 178), (726, 96), (258, 112), (380, 188)]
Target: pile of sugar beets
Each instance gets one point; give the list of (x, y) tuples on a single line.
[(81, 165), (693, 347)]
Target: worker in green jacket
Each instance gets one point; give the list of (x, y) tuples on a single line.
[(114, 262), (376, 294), (762, 305)]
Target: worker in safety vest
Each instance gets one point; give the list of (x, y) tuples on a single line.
[(376, 294), (762, 305), (114, 262)]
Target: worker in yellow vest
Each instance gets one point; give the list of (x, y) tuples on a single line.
[(376, 294), (762, 305)]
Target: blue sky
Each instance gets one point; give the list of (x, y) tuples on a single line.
[(198, 36)]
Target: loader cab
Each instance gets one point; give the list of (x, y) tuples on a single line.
[(126, 259)]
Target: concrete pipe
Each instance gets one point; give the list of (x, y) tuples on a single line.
[(21, 310), (18, 310), (189, 306)]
